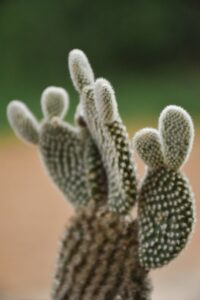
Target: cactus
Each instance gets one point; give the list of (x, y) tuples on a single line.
[(166, 204), (105, 253)]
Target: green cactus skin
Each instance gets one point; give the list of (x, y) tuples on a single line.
[(166, 211), (98, 259), (95, 173)]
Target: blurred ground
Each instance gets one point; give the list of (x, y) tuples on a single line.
[(33, 214)]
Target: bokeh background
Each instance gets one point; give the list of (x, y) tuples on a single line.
[(150, 51)]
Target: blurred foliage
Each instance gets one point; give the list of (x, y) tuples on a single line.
[(148, 49)]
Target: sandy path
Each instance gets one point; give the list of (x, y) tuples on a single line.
[(32, 216)]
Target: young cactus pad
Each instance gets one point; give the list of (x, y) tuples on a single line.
[(166, 204)]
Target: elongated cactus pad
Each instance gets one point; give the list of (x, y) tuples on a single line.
[(23, 122), (99, 259), (109, 133), (166, 205)]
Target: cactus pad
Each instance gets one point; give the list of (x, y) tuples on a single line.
[(109, 133), (69, 153), (166, 205)]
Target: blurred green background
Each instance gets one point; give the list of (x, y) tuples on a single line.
[(149, 50)]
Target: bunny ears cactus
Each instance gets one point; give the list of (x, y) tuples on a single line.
[(166, 205), (94, 160)]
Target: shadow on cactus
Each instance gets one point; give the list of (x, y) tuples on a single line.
[(105, 253)]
